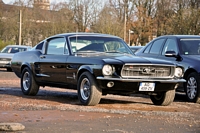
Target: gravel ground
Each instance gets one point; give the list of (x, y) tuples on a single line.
[(58, 110)]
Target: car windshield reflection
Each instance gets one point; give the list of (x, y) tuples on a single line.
[(98, 44)]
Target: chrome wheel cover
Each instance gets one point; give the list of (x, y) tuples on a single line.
[(26, 81), (85, 89), (191, 87)]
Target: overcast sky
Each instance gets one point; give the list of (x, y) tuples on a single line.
[(11, 1)]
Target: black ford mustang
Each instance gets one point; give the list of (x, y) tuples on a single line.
[(95, 66)]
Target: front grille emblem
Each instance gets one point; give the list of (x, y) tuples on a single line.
[(148, 71)]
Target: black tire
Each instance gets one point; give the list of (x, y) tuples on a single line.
[(88, 91), (192, 88), (163, 98), (28, 84)]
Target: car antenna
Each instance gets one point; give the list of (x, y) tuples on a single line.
[(76, 35), (76, 40)]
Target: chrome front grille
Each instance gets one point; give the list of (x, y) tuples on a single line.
[(147, 71), (5, 59)]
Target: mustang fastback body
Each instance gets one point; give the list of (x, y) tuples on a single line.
[(95, 65)]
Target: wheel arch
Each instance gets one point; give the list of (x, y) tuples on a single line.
[(188, 71), (25, 65), (84, 69)]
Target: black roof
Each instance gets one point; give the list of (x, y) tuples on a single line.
[(85, 33)]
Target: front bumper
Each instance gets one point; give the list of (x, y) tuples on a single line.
[(143, 80), (132, 85)]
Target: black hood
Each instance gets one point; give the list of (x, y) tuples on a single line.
[(125, 58)]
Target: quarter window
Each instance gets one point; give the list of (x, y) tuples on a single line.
[(148, 48), (156, 47), (39, 46), (56, 46)]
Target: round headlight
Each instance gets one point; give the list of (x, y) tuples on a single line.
[(178, 72), (108, 70)]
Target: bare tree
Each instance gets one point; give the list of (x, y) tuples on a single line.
[(147, 18), (106, 23), (143, 23), (84, 12)]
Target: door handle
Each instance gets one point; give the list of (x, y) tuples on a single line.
[(42, 56)]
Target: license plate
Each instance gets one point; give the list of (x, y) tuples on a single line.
[(145, 86)]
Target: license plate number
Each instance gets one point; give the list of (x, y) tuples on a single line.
[(145, 86)]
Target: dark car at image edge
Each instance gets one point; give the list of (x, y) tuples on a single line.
[(94, 65), (183, 50)]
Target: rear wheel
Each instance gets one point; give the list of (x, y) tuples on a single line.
[(88, 91), (192, 88), (163, 98), (28, 84)]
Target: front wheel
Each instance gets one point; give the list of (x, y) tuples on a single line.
[(192, 88), (163, 98), (28, 84), (88, 91)]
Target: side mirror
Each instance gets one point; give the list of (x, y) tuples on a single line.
[(170, 54), (173, 54)]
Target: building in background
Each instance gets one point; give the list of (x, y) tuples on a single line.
[(21, 16), (43, 4)]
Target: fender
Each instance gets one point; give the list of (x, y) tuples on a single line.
[(89, 68)]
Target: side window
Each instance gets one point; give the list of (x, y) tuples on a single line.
[(148, 48), (56, 46), (156, 47), (170, 45), (39, 46)]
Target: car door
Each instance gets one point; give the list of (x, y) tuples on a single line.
[(53, 62)]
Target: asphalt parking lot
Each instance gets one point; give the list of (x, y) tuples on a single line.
[(58, 110)]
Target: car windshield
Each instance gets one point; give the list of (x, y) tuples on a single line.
[(190, 46), (98, 44), (13, 50)]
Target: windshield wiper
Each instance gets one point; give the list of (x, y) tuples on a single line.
[(114, 52), (88, 51)]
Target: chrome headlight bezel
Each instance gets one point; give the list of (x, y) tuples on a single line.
[(108, 70), (178, 72)]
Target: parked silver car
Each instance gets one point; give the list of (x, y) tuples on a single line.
[(7, 53)]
